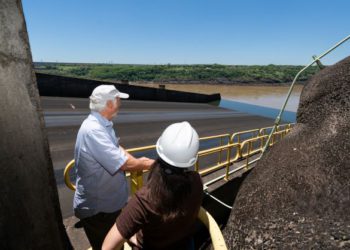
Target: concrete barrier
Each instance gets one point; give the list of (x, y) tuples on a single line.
[(30, 215), (54, 85)]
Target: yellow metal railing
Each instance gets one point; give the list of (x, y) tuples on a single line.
[(266, 130), (245, 144), (219, 165), (237, 137), (217, 239), (216, 236), (221, 137), (66, 172), (249, 148), (243, 135), (136, 178), (237, 147)]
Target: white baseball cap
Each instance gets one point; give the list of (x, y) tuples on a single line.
[(106, 92)]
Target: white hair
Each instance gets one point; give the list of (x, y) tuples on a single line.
[(97, 104)]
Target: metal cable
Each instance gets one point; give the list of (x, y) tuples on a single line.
[(216, 199)]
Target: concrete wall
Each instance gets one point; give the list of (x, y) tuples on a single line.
[(30, 216), (53, 85)]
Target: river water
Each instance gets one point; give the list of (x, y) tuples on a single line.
[(260, 100)]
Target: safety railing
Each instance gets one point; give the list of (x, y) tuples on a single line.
[(136, 177), (66, 175), (217, 239), (229, 149), (236, 149), (216, 236), (226, 164), (267, 130), (250, 148), (222, 138), (243, 135)]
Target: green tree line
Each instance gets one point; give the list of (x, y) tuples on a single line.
[(214, 73)]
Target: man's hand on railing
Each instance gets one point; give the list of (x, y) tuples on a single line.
[(147, 162)]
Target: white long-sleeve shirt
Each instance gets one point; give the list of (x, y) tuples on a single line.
[(101, 185)]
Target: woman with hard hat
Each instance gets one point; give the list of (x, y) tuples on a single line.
[(162, 214)]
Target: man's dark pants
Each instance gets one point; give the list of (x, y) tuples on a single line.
[(97, 226)]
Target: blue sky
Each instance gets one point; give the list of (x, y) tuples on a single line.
[(245, 32)]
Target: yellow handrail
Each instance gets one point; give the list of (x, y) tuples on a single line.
[(219, 165), (239, 134), (249, 144), (264, 131), (215, 137), (217, 239), (133, 150), (67, 169), (221, 137), (137, 177), (216, 236), (257, 134)]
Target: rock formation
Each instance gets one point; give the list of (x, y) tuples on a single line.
[(298, 195)]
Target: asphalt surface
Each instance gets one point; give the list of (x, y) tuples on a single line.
[(139, 123)]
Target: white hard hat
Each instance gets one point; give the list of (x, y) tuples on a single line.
[(178, 145), (104, 93)]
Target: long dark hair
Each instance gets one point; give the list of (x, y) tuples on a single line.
[(169, 187)]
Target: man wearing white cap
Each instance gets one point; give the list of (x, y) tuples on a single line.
[(100, 162)]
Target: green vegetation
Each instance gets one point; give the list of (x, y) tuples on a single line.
[(211, 73)]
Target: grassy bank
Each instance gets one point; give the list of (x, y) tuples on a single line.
[(211, 73)]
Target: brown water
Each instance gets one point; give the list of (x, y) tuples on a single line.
[(266, 96)]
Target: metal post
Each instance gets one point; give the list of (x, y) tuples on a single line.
[(228, 162), (249, 148), (220, 153), (196, 167), (240, 148)]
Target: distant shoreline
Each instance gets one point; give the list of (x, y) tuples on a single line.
[(211, 74), (188, 82), (216, 83)]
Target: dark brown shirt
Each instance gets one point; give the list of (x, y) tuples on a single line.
[(139, 216)]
